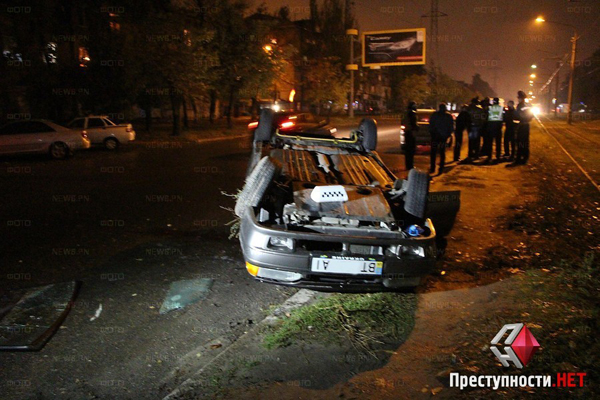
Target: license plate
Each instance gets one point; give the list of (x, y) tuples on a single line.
[(351, 266)]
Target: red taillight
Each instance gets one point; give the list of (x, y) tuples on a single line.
[(253, 125), (287, 124), (84, 134)]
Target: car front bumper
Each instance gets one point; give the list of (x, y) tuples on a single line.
[(293, 267)]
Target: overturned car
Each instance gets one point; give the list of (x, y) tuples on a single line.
[(325, 213)]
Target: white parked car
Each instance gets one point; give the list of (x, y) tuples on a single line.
[(102, 131), (41, 136)]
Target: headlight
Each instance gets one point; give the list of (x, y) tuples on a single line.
[(413, 251), (392, 250), (281, 243)]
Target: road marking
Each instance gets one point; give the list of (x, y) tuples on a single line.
[(569, 154)]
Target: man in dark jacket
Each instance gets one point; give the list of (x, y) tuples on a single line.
[(478, 119), (509, 133), (524, 116), (463, 121), (485, 132), (441, 126), (410, 135)]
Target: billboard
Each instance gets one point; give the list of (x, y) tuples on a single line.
[(397, 47)]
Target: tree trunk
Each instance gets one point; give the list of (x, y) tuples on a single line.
[(186, 125), (148, 111), (195, 108), (230, 107), (254, 108), (176, 107), (213, 106)]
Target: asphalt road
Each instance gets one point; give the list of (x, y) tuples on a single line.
[(127, 224)]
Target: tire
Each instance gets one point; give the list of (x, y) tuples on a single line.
[(263, 131), (256, 185), (415, 201), (111, 144), (59, 151), (368, 129)]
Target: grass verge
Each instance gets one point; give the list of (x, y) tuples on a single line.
[(364, 319)]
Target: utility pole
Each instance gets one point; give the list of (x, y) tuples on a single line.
[(572, 76), (434, 14), (495, 68), (556, 87)]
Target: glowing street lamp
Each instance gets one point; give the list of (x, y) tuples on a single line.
[(532, 75), (533, 66), (574, 39)]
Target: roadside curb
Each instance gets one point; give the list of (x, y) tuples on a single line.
[(215, 139), (171, 139), (299, 299)]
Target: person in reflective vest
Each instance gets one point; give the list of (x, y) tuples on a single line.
[(524, 115), (494, 130)]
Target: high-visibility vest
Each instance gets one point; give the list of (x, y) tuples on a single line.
[(495, 113)]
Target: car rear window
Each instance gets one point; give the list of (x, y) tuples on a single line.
[(95, 123), (78, 123), (108, 122)]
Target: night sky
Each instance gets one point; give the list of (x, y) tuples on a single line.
[(477, 35)]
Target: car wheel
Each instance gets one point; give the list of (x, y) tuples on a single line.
[(415, 201), (111, 144), (368, 129), (256, 185), (59, 150), (263, 131)]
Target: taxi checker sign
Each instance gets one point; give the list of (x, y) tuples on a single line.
[(398, 47), (519, 346)]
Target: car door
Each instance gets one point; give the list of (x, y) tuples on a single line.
[(44, 135), (96, 130), (25, 137), (8, 140)]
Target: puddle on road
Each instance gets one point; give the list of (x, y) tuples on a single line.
[(183, 293)]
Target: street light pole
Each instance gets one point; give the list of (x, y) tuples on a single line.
[(571, 77), (351, 67), (557, 85)]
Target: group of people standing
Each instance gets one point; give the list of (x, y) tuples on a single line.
[(483, 121)]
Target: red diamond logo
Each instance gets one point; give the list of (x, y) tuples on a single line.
[(525, 345)]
